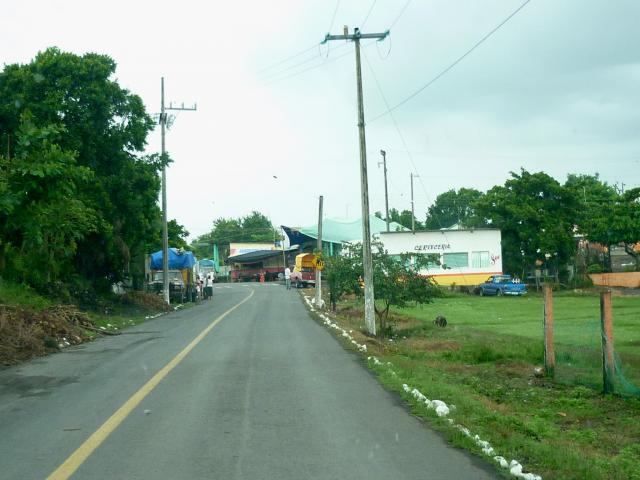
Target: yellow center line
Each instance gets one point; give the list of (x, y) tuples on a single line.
[(77, 458)]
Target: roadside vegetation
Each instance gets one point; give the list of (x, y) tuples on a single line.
[(487, 361), (32, 325)]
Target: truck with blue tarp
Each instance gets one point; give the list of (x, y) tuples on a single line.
[(182, 271)]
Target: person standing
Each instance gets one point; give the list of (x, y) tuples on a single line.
[(287, 278)]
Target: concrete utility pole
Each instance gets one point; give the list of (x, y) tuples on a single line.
[(369, 311), (165, 123), (386, 194), (319, 249), (413, 217)]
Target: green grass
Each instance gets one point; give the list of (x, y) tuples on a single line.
[(484, 360), (18, 294)]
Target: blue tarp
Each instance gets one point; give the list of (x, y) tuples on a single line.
[(177, 260)]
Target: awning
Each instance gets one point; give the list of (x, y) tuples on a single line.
[(253, 257)]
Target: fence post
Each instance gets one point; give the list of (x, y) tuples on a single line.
[(549, 352), (606, 325)]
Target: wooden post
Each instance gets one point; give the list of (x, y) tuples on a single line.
[(606, 325), (549, 351)]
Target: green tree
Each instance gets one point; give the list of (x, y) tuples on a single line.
[(403, 218), (609, 218), (41, 218), (455, 207), (536, 216), (252, 228), (106, 126), (177, 235), (396, 279)]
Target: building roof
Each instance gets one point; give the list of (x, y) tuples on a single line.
[(340, 231), (255, 256)]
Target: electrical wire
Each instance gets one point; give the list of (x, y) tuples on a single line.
[(368, 14), (313, 67), (400, 14), (443, 72), (333, 18), (295, 55), (406, 147), (302, 52)]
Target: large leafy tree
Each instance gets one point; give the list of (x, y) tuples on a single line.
[(41, 217), (106, 126), (455, 207), (536, 216), (253, 228)]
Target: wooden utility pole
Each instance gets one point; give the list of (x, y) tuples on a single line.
[(386, 194), (165, 123), (606, 325), (413, 216), (549, 351), (319, 249), (369, 310)]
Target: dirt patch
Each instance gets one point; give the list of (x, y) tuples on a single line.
[(26, 333)]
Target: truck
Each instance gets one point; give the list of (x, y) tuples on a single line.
[(181, 274), (304, 272), (502, 285)]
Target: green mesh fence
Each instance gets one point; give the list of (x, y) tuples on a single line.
[(579, 339)]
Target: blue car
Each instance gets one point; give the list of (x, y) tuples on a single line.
[(502, 285)]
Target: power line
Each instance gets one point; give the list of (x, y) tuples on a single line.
[(458, 60), (295, 55), (313, 67), (368, 14), (274, 75), (400, 14), (406, 147), (302, 52), (333, 18)]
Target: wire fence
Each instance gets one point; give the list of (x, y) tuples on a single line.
[(585, 354)]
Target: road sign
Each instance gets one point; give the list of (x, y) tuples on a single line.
[(320, 264)]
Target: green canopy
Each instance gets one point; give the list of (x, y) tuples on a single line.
[(342, 231)]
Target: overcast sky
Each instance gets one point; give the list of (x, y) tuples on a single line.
[(556, 89)]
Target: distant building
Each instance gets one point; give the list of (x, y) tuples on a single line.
[(465, 257)]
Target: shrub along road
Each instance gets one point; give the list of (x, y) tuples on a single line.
[(264, 393)]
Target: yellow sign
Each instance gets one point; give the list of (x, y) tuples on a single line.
[(319, 264)]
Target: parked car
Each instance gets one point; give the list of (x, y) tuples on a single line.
[(502, 285)]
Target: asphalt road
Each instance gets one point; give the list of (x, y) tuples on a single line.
[(266, 394)]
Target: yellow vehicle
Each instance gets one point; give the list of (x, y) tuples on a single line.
[(304, 272)]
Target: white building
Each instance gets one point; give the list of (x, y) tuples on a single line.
[(467, 257)]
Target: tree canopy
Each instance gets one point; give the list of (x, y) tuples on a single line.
[(536, 216), (455, 207), (252, 228), (71, 125)]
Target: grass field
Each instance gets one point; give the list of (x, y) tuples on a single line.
[(484, 360)]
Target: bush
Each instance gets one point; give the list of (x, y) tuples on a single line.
[(594, 268)]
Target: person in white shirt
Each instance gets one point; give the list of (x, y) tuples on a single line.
[(287, 278)]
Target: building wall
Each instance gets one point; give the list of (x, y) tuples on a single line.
[(628, 279), (467, 257)]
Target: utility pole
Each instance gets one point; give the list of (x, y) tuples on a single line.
[(413, 217), (166, 122), (369, 311), (386, 194), (319, 249)]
